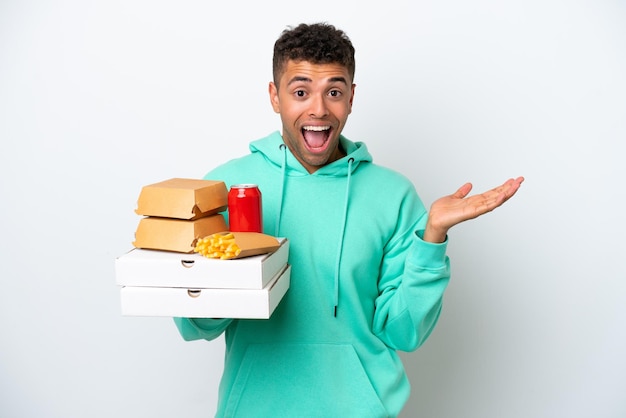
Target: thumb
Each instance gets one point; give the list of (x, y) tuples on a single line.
[(463, 191)]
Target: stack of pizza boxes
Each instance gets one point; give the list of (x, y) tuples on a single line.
[(163, 276)]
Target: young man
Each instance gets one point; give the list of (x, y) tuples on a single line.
[(369, 267)]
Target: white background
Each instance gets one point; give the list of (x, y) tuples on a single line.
[(98, 99)]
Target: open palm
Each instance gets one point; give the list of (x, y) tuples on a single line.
[(458, 207)]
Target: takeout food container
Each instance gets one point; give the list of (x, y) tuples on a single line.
[(163, 276), (206, 303), (176, 234), (153, 268), (182, 198)]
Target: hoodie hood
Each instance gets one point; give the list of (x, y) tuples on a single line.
[(276, 153)]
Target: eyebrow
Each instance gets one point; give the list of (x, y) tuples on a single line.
[(308, 80)]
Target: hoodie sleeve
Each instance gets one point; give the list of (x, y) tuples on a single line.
[(200, 328), (414, 276)]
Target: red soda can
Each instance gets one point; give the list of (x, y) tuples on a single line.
[(245, 211)]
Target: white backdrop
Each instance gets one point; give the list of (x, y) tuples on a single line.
[(100, 98)]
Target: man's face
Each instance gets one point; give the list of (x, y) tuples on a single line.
[(314, 101)]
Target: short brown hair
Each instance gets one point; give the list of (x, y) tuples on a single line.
[(318, 43)]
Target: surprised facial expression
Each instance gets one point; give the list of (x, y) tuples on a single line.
[(314, 101)]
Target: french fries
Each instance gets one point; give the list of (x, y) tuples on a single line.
[(228, 245), (220, 245)]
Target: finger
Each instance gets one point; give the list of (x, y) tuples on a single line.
[(496, 197), (508, 188), (463, 191), (513, 187), (488, 202), (483, 203)]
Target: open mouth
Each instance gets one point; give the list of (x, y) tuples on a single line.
[(316, 137)]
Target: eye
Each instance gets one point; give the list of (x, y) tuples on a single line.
[(300, 93), (334, 93)]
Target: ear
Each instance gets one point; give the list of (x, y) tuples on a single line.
[(352, 96), (273, 90)]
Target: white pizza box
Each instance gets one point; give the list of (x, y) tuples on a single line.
[(155, 268), (206, 303)]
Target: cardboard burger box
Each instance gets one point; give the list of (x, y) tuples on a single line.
[(176, 234), (178, 212), (181, 198), (206, 303)]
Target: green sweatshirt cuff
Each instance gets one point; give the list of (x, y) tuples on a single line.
[(428, 254), (200, 328)]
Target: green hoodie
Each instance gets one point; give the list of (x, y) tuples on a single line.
[(363, 285)]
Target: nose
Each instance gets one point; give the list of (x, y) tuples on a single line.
[(317, 108)]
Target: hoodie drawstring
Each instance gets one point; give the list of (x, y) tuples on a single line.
[(341, 237), (282, 147)]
